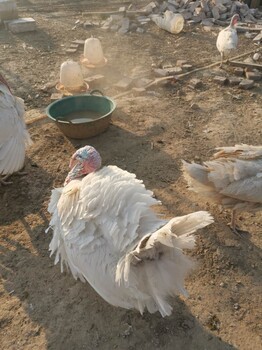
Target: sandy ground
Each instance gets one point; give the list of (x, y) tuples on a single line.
[(149, 135)]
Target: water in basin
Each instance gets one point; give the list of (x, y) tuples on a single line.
[(81, 116)]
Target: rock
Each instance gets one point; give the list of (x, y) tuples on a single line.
[(22, 25), (215, 12), (220, 80), (256, 76), (207, 22), (194, 5), (204, 5), (197, 19), (187, 15), (124, 26), (221, 8), (256, 56), (246, 84)]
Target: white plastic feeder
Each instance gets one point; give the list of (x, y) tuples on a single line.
[(71, 76), (93, 52)]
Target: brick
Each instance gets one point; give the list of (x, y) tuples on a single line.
[(235, 80), (22, 25), (246, 84), (256, 76)]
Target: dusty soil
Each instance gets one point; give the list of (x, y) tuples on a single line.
[(149, 135)]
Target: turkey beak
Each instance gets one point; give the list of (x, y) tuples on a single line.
[(72, 162)]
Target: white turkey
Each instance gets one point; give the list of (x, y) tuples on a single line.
[(106, 232), (232, 179), (227, 39), (14, 138)]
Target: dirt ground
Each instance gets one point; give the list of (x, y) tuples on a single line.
[(149, 135)]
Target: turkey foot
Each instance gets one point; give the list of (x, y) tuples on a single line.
[(234, 228)]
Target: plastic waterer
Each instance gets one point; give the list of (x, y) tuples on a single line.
[(93, 51), (71, 76)]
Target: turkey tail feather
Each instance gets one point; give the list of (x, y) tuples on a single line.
[(156, 268)]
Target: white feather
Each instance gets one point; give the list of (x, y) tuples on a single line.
[(14, 137), (106, 232)]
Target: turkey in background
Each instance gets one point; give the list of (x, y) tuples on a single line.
[(232, 179), (14, 138), (227, 39)]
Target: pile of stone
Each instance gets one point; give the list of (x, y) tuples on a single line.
[(207, 12), (211, 10)]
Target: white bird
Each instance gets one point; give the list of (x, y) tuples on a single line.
[(232, 179), (14, 138), (227, 39), (105, 230)]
